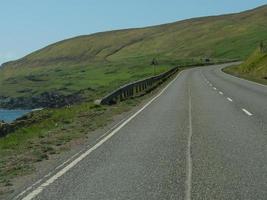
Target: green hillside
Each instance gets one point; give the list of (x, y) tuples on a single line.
[(103, 61)]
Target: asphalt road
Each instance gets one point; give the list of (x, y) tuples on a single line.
[(204, 137)]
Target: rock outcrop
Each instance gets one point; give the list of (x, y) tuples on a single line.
[(44, 100), (5, 128)]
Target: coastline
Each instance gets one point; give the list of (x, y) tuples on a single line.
[(10, 115)]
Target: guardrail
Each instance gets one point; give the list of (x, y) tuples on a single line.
[(137, 88)]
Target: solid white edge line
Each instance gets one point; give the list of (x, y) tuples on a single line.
[(52, 179), (242, 79), (247, 112), (66, 161), (229, 99)]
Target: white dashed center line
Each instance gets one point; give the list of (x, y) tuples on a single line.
[(247, 112), (188, 152), (229, 99)]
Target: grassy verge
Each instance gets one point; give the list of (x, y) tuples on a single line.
[(234, 70), (254, 68)]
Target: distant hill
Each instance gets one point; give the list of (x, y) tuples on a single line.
[(71, 65)]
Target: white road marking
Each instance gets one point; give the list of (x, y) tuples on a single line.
[(229, 99), (67, 161), (221, 93), (107, 132), (52, 179), (188, 152), (247, 112), (242, 79), (214, 88)]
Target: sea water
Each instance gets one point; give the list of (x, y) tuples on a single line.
[(11, 115)]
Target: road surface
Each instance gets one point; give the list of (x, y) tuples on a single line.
[(203, 137)]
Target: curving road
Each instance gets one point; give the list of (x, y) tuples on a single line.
[(204, 137)]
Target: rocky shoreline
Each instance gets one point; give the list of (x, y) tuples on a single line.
[(25, 120), (44, 100), (5, 128)]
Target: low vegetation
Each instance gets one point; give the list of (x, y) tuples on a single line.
[(254, 68)]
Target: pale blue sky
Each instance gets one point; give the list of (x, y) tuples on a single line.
[(27, 25)]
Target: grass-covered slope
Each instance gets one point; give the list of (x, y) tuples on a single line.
[(254, 68), (102, 61)]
